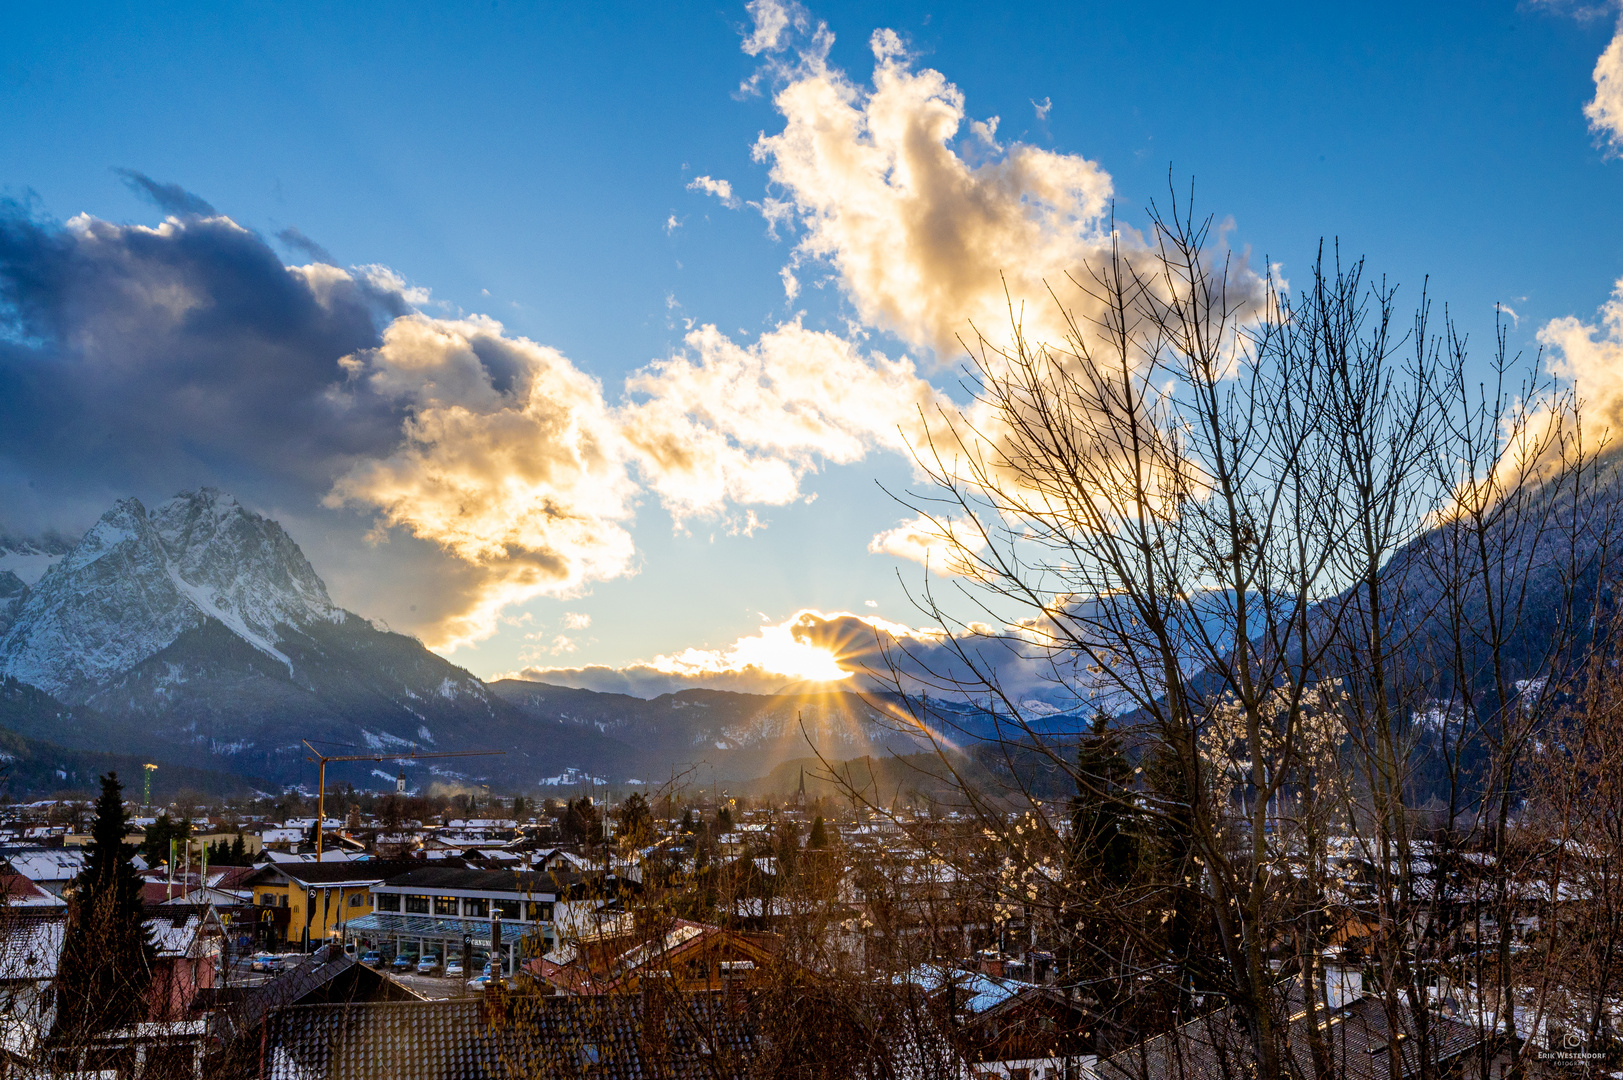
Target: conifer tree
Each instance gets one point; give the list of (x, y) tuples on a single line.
[(819, 836), (106, 963)]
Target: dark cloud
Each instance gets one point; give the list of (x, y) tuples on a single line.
[(170, 198), (294, 240), (138, 360)]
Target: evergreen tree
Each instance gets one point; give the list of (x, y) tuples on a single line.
[(636, 821), (1104, 848), (155, 848), (687, 828), (239, 852), (724, 820), (819, 836), (106, 963)]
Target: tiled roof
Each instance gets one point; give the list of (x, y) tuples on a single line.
[(31, 947), (605, 1038), (1216, 1046), (318, 970)]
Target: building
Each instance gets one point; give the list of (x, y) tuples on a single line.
[(302, 904), (435, 909), (610, 1037), (689, 957), (1357, 1034)]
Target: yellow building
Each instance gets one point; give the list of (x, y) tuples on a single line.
[(302, 904)]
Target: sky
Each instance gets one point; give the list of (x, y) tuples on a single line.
[(594, 337)]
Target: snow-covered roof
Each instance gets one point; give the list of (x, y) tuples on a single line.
[(48, 864), (30, 948)]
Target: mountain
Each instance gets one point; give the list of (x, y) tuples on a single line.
[(23, 562), (197, 631), (199, 628), (737, 736)]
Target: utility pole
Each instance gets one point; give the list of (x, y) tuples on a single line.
[(321, 788)]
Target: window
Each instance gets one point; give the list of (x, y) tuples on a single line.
[(417, 905), (505, 909), (477, 908), (267, 899), (540, 911), (445, 905), (355, 899), (384, 901)]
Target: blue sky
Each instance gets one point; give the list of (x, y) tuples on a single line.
[(527, 162)]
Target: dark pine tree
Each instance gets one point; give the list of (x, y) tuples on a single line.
[(106, 964), (819, 835), (1104, 848)]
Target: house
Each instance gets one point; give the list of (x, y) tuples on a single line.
[(186, 944), (610, 1037), (304, 903), (327, 976), (188, 940), (1013, 1030), (18, 893), (52, 869), (435, 909), (687, 956), (1356, 1034), (30, 949)]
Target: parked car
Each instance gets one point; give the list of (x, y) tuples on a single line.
[(453, 968), (265, 962), (372, 959), (405, 962), (428, 964)]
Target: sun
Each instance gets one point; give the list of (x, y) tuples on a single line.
[(773, 650)]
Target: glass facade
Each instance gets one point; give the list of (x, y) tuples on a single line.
[(417, 905)]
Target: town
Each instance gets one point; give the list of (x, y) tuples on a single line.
[(465, 931)]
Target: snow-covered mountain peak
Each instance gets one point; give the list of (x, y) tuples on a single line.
[(139, 579)]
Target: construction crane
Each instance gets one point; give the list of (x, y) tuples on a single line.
[(321, 790)]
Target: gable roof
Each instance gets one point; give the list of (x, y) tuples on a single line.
[(613, 965), (625, 1037), (31, 948), (324, 977), (17, 891)]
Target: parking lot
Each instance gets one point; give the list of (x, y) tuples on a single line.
[(433, 987)]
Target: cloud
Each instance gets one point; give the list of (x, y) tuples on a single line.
[(294, 240), (938, 543), (728, 423), (170, 198), (773, 20), (576, 620), (1605, 110), (511, 462), (1042, 109), (861, 653), (923, 241), (1591, 356), (721, 189)]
